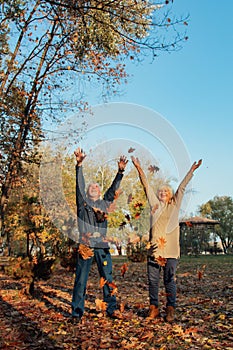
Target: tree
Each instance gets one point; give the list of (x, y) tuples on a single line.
[(221, 208), (28, 229), (49, 48)]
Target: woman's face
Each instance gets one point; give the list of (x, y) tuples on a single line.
[(164, 194)]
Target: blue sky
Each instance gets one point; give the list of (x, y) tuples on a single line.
[(192, 89), (190, 93)]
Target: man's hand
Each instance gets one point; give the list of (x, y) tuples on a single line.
[(80, 156), (136, 162), (196, 165), (122, 163)]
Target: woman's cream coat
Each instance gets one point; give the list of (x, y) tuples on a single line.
[(164, 220)]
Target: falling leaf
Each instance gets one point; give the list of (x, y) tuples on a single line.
[(100, 305), (85, 251), (161, 242), (131, 150), (117, 193), (137, 216), (153, 168), (113, 286), (124, 268), (161, 261), (100, 215), (102, 282), (200, 273)]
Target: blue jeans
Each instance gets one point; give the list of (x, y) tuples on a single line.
[(104, 263), (169, 271)]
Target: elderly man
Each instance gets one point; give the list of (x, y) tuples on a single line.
[(92, 223)]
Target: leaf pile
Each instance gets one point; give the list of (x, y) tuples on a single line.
[(204, 313)]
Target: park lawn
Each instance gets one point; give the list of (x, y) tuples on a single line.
[(204, 313)]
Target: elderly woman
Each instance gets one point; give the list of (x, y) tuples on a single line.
[(164, 247)]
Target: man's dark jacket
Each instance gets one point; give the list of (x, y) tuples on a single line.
[(92, 223)]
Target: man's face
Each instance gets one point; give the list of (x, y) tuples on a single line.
[(164, 194), (93, 191)]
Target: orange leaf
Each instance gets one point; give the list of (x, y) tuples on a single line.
[(124, 268), (113, 286), (161, 242), (102, 282), (148, 335), (100, 305), (161, 261), (199, 275), (191, 330), (117, 193), (85, 251)]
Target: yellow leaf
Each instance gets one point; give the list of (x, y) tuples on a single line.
[(222, 317)]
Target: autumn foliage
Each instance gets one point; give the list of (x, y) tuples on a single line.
[(203, 312)]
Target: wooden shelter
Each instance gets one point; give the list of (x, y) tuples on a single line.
[(198, 227), (199, 222)]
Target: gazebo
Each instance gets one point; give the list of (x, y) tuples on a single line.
[(199, 222), (198, 226)]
